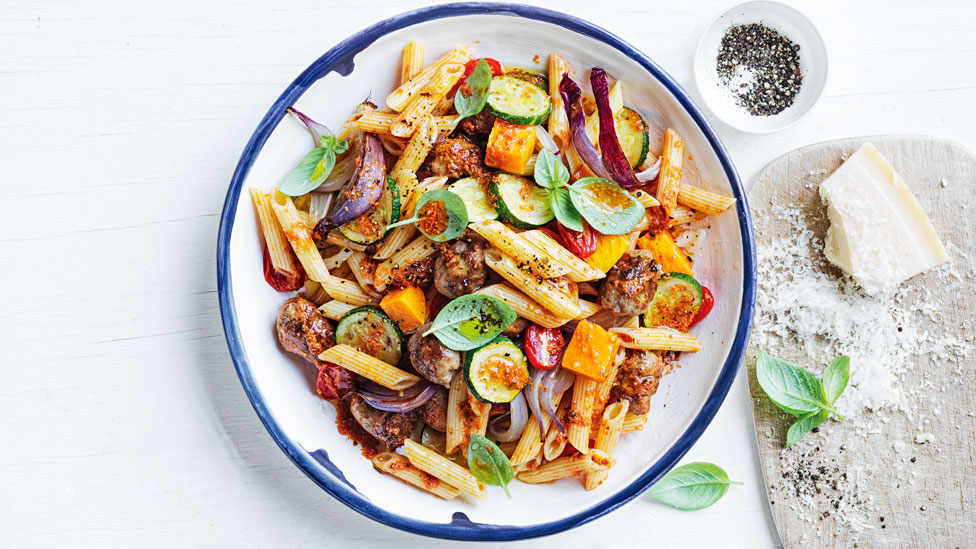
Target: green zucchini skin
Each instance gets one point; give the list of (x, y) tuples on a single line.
[(483, 389), (633, 137), (389, 200), (520, 212), (536, 78), (675, 303), (359, 326), (518, 101)]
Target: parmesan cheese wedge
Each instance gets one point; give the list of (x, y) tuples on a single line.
[(878, 233)]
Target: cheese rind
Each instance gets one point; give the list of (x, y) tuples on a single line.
[(878, 232)]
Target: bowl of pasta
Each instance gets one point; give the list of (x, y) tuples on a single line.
[(479, 258)]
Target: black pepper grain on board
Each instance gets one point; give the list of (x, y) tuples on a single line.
[(769, 58)]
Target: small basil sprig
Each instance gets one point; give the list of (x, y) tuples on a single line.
[(605, 205), (471, 321), (313, 170), (798, 392), (454, 208), (488, 463), (479, 82), (693, 486)]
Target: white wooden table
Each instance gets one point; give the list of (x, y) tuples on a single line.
[(121, 417)]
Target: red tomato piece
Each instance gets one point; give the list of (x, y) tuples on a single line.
[(543, 346), (582, 244), (708, 301), (495, 66), (334, 381), (552, 234), (279, 281)]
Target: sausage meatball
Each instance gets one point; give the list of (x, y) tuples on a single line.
[(434, 411), (460, 268), (431, 359), (302, 330), (630, 284), (390, 427), (455, 158), (637, 379)]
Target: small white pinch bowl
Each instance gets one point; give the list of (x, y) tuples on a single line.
[(282, 387), (788, 22)]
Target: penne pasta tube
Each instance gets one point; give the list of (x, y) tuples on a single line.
[(570, 466), (587, 309), (670, 176), (457, 395), (633, 423), (616, 105), (524, 306), (555, 441), (274, 238), (413, 60), (418, 146), (412, 115), (522, 251), (581, 413), (431, 462), (400, 467), (419, 249), (299, 236), (382, 122), (530, 443), (369, 367), (645, 199), (335, 309), (544, 293), (336, 260), (347, 291), (355, 261), (656, 339), (402, 96), (704, 201), (529, 465), (579, 270), (683, 214), (611, 425), (335, 238), (558, 122)]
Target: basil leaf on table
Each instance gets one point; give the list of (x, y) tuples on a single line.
[(566, 212), (479, 81), (471, 321), (835, 378), (606, 206), (550, 172), (803, 426), (693, 486), (315, 168), (794, 390), (488, 463)]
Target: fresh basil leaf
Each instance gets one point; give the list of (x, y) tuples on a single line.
[(471, 321), (323, 168), (479, 81), (606, 206), (299, 181), (566, 212), (693, 486), (550, 171), (338, 146), (835, 378), (488, 463), (793, 389), (803, 425), (457, 214)]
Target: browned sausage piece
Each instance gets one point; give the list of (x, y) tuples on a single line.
[(431, 359), (390, 427), (460, 268), (630, 284), (302, 330), (455, 158), (434, 411), (638, 379)]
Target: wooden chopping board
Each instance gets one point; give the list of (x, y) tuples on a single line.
[(911, 481)]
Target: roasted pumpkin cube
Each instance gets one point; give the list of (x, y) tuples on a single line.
[(609, 249), (591, 351), (406, 306), (669, 256), (510, 146)]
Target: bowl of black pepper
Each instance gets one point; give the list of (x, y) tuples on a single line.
[(761, 66)]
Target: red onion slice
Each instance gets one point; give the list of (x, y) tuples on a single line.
[(317, 130), (388, 400), (614, 158), (531, 392), (357, 196), (650, 174), (518, 415), (555, 382), (573, 99)]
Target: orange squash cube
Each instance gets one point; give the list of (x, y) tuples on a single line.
[(591, 351), (666, 252), (406, 306), (510, 146)]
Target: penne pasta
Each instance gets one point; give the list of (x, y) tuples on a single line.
[(611, 425), (369, 367), (413, 60), (656, 339), (400, 467), (347, 291), (299, 236), (558, 122), (570, 466), (645, 199), (581, 413), (382, 122), (524, 306), (446, 470), (555, 441), (579, 270), (530, 443), (457, 395), (419, 249), (355, 262), (274, 238), (402, 96), (704, 201), (670, 176), (335, 309), (418, 147), (683, 214), (522, 251), (336, 260), (633, 423), (544, 292), (411, 117)]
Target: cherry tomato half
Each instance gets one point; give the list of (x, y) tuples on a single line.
[(333, 382), (582, 244), (495, 66), (282, 282), (552, 234), (708, 301), (543, 346)]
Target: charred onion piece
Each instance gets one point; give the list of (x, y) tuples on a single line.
[(614, 159), (573, 98), (365, 188), (388, 400)]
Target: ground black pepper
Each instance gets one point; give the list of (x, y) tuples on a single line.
[(761, 67)]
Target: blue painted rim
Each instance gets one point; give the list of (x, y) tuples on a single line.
[(342, 55)]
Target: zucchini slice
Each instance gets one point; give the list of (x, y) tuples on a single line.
[(496, 371), (370, 227), (529, 76), (475, 199), (517, 101), (632, 135), (519, 201), (368, 329), (676, 302)]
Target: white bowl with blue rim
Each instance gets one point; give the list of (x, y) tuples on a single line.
[(281, 386)]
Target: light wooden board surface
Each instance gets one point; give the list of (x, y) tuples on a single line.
[(122, 420), (923, 494)]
